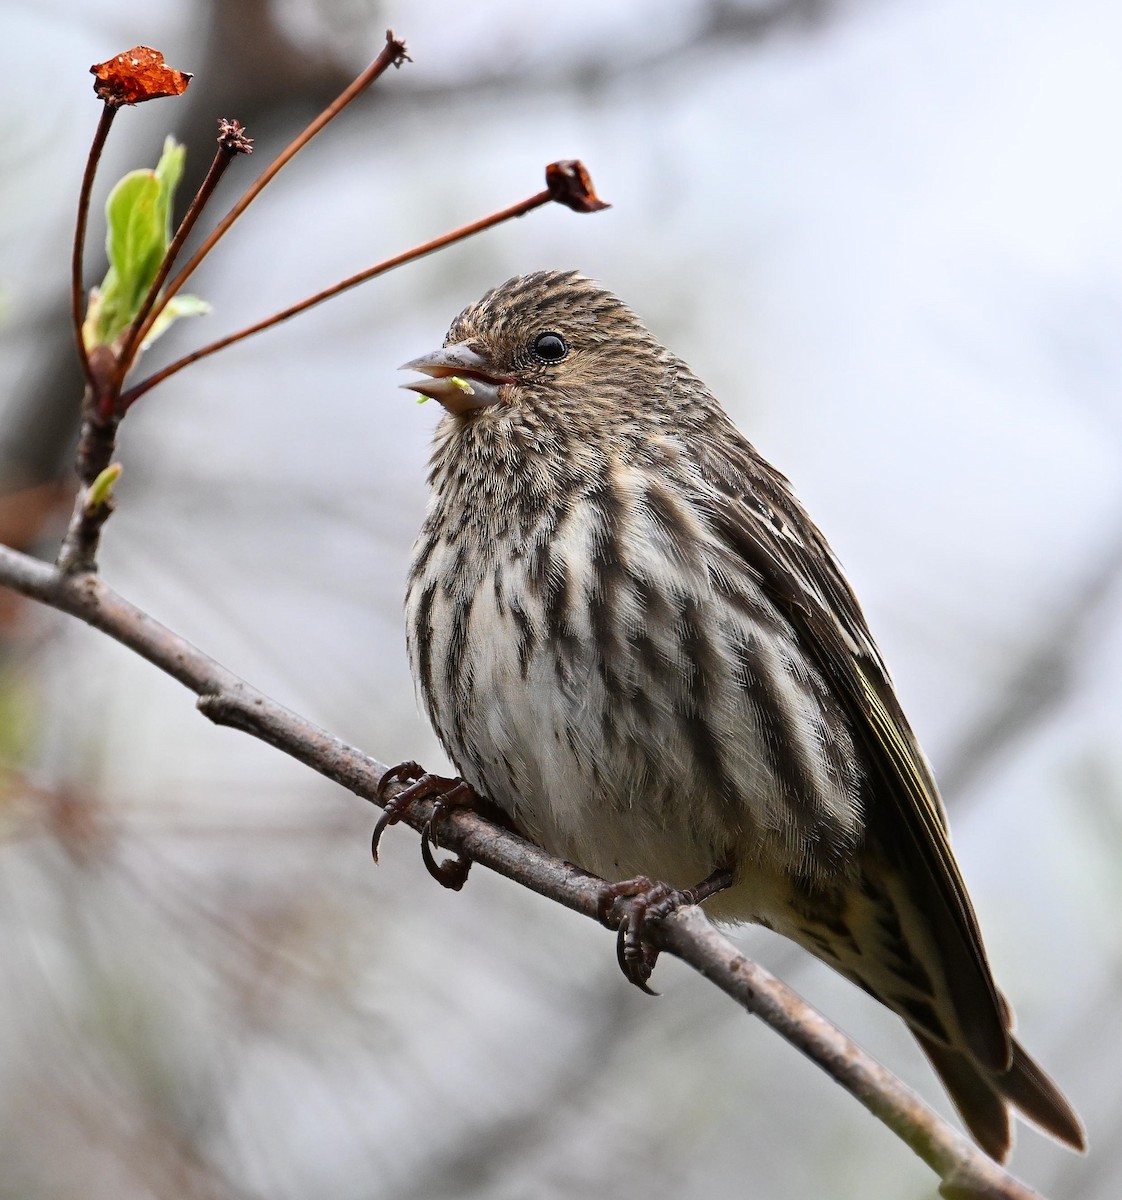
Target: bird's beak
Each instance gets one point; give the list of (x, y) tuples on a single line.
[(459, 377)]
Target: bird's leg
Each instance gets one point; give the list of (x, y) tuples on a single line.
[(448, 793), (650, 901)]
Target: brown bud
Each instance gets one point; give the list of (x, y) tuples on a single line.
[(400, 54), (570, 184), (232, 137)]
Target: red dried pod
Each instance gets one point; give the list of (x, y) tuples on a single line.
[(137, 75)]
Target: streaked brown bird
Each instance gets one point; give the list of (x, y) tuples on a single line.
[(631, 638)]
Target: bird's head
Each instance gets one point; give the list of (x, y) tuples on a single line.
[(545, 336)]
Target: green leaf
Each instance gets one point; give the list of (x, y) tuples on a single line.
[(102, 487), (176, 307), (135, 242), (138, 232), (169, 171)]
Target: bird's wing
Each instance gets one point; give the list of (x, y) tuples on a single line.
[(756, 514)]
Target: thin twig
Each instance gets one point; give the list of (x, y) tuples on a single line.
[(392, 56), (515, 210), (567, 182), (148, 313), (77, 291), (966, 1173)]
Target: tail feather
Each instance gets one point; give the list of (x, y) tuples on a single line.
[(981, 1108), (1027, 1086), (982, 1098), (880, 936)]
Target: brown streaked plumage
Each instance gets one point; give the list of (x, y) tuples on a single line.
[(630, 636)]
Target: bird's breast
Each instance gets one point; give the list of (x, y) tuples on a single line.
[(615, 679)]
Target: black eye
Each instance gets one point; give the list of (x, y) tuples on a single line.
[(550, 347)]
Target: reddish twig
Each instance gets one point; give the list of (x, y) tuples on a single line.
[(567, 183), (77, 291), (131, 78), (393, 55)]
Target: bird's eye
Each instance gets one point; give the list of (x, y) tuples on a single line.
[(550, 347)]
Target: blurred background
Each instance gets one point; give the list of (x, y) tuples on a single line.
[(888, 233)]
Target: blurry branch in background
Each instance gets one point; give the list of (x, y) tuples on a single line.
[(1042, 675), (487, 1157), (133, 306), (714, 27)]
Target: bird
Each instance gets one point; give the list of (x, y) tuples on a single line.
[(634, 643)]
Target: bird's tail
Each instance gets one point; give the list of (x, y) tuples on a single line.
[(881, 935), (983, 1098)]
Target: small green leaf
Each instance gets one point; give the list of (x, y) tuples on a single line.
[(169, 171), (135, 242), (176, 307), (138, 233), (102, 487)]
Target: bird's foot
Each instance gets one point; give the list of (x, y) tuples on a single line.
[(448, 793), (651, 901)]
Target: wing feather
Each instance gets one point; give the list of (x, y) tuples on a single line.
[(757, 515)]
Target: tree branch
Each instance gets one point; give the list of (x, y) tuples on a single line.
[(965, 1172)]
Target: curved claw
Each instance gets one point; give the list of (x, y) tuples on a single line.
[(380, 827), (453, 872), (636, 964), (394, 808), (651, 901), (391, 814), (449, 793)]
